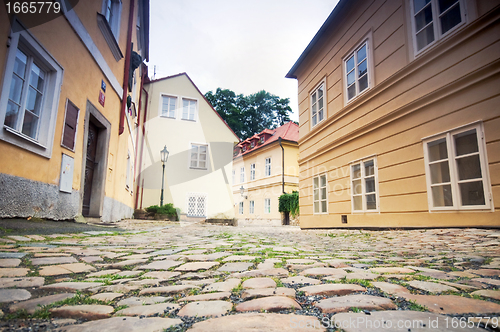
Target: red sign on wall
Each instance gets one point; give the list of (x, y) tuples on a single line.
[(102, 98)]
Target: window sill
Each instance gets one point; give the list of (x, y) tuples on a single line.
[(27, 138), (109, 36), (198, 168), (167, 117), (188, 120)]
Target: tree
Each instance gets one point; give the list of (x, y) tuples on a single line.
[(249, 115)]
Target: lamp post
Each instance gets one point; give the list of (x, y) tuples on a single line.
[(242, 191), (164, 157)]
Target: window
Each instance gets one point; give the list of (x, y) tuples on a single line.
[(252, 207), (252, 144), (364, 183), (244, 148), (30, 95), (198, 156), (196, 205), (112, 12), (242, 174), (188, 109), (320, 201), (456, 170), (317, 104), (432, 19), (241, 208), (268, 166), (252, 172), (356, 71), (70, 125), (267, 205), (168, 106), (262, 139)]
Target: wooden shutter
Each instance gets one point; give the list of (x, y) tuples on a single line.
[(70, 125)]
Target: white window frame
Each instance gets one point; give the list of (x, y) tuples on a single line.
[(251, 207), (312, 104), (252, 172), (268, 166), (318, 190), (454, 181), (436, 22), (195, 109), (162, 112), (114, 17), (241, 208), (366, 41), (43, 143), (199, 153), (363, 177), (242, 174), (267, 205)]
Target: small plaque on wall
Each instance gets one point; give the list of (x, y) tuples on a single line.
[(66, 178), (102, 98)]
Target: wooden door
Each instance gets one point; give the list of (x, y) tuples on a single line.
[(89, 167)]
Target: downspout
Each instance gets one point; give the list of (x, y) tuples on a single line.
[(282, 166), (142, 147), (136, 177), (128, 52)]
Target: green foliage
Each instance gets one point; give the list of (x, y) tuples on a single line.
[(289, 203), (167, 209), (249, 115)]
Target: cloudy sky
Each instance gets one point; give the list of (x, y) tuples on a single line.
[(242, 45)]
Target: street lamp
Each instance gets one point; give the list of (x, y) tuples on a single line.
[(164, 157), (242, 191)]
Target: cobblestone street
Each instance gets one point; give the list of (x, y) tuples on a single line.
[(153, 276)]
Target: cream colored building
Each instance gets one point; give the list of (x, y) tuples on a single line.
[(200, 145), (399, 116), (260, 173), (67, 135)]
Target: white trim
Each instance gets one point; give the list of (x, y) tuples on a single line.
[(436, 22), (198, 161), (318, 176), (160, 103), (325, 102), (362, 178), (366, 40), (181, 107), (241, 208), (44, 142), (251, 207), (270, 167), (85, 37), (267, 207), (453, 170), (254, 167), (242, 172), (470, 124)]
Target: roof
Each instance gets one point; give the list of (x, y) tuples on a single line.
[(185, 74), (288, 132), (329, 21)]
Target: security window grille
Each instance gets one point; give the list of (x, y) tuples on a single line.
[(251, 207), (364, 183), (317, 105), (356, 71), (456, 170), (252, 172), (268, 166), (168, 106), (320, 201), (24, 106), (188, 109), (196, 205), (267, 205), (199, 156), (432, 19)]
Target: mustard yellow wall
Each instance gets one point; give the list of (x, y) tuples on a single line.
[(452, 84), (81, 82), (265, 186)]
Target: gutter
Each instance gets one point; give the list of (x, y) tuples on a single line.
[(128, 52)]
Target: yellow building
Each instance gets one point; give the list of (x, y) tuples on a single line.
[(399, 117), (67, 141), (200, 145), (263, 168)]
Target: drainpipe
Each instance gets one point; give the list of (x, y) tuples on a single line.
[(128, 52), (282, 166)]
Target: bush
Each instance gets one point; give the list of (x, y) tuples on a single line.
[(289, 203), (167, 209)]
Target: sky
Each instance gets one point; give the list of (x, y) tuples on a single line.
[(242, 45)]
